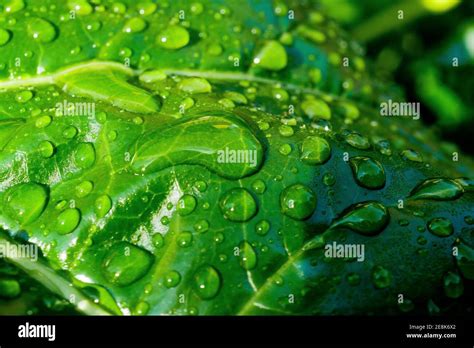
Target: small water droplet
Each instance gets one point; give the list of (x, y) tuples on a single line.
[(172, 279), (134, 25), (84, 156), (158, 240), (68, 220), (411, 155), (102, 205), (173, 37), (46, 149), (357, 141), (262, 227), (23, 96), (440, 227), (247, 255), (381, 277), (186, 205), (184, 239), (258, 186), (201, 226), (84, 188), (368, 172), (315, 150), (125, 263), (41, 30), (453, 285), (238, 205), (43, 121), (272, 56), (195, 85), (316, 108), (298, 202), (207, 282)]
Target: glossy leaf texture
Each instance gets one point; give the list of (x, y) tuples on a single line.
[(196, 157)]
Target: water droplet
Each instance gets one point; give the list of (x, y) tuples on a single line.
[(186, 205), (25, 202), (316, 108), (9, 288), (172, 279), (200, 185), (272, 56), (173, 37), (158, 240), (214, 49), (195, 85), (41, 30), (247, 255), (238, 205), (368, 172), (125, 263), (70, 132), (102, 205), (286, 131), (184, 239), (46, 149), (43, 121), (84, 155), (14, 6), (84, 188), (285, 149), (146, 8), (23, 96), (315, 150), (298, 202), (381, 277), (81, 7), (437, 189), (368, 218), (262, 227), (357, 141), (207, 282), (201, 226), (258, 186), (142, 308), (134, 25), (68, 220), (411, 155), (236, 97), (186, 103), (453, 285), (353, 279), (4, 37), (465, 260), (152, 76), (383, 146), (440, 227), (329, 179)]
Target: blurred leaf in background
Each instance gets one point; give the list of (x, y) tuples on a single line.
[(427, 46)]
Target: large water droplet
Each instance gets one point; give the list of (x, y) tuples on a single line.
[(125, 263), (13, 6), (173, 37), (195, 85), (238, 205), (440, 227), (272, 56), (68, 220), (437, 189), (25, 202), (41, 30), (222, 140), (207, 282), (298, 201), (247, 255), (315, 150), (368, 218), (368, 172)]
